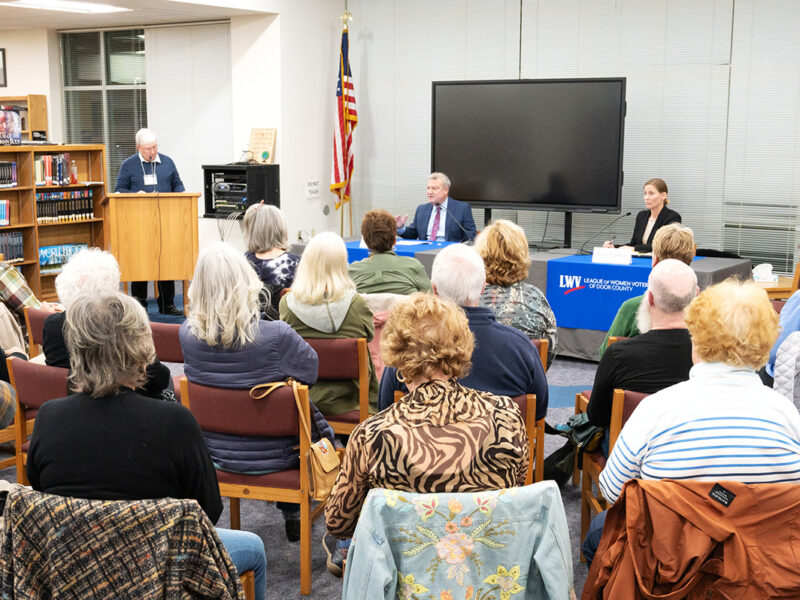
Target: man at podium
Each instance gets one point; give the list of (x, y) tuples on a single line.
[(149, 171)]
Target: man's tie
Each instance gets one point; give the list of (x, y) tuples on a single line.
[(435, 228)]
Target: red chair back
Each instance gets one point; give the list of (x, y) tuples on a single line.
[(235, 412), (167, 342), (36, 383), (34, 321), (632, 400), (338, 358)]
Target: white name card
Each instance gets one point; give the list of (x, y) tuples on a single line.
[(612, 256)]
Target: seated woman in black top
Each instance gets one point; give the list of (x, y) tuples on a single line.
[(650, 220), (108, 442), (93, 270)]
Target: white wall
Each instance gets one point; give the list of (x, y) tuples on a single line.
[(32, 67), (712, 98)]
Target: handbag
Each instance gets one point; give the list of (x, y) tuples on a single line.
[(322, 459)]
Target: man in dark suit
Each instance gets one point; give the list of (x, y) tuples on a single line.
[(442, 218)]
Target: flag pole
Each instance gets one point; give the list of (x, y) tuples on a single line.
[(345, 17)]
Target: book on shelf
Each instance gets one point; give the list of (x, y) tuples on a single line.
[(52, 258), (8, 174), (11, 246), (56, 207), (51, 169), (5, 213)]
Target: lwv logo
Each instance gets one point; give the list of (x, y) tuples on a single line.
[(573, 282)]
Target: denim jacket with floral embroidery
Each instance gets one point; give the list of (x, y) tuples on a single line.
[(510, 544)]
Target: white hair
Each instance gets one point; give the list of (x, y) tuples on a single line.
[(145, 136), (441, 178), (672, 285), (223, 298), (322, 272), (458, 274), (91, 270)]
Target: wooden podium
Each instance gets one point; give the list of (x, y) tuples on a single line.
[(154, 236)]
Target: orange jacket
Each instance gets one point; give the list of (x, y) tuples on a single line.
[(671, 540)]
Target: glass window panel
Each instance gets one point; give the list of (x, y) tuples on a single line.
[(82, 64), (84, 116), (125, 57), (127, 114)]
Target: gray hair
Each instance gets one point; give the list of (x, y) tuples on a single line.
[(265, 228), (673, 285), (145, 136), (90, 270), (441, 178), (458, 274), (109, 341), (223, 298)]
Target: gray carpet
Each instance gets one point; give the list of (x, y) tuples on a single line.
[(283, 557)]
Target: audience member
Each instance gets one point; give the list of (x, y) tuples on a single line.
[(323, 303), (721, 424), (789, 323), (267, 242), (15, 295), (671, 241), (504, 249), (504, 362), (662, 355), (107, 442), (442, 437), (383, 271), (226, 345), (93, 270)]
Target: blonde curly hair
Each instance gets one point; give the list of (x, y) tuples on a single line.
[(733, 323), (504, 250), (425, 334)]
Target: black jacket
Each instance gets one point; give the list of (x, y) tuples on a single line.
[(665, 217)]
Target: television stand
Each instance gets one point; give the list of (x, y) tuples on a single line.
[(487, 218)]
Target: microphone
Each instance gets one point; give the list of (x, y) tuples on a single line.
[(461, 227), (583, 248)]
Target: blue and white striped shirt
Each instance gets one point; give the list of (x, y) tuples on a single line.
[(722, 424)]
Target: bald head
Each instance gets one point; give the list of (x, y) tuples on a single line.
[(672, 285)]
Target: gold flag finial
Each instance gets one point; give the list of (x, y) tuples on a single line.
[(345, 17)]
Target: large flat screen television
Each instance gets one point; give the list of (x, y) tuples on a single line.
[(537, 144)]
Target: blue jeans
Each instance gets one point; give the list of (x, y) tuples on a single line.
[(593, 536), (247, 553)]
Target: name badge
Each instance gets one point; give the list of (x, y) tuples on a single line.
[(150, 179)]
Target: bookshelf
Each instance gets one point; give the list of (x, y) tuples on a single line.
[(33, 110), (77, 228)]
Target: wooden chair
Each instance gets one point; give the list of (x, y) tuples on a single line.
[(784, 287), (235, 412), (167, 342), (535, 429), (542, 346), (592, 502), (581, 403), (248, 581), (35, 384), (34, 322), (344, 359)]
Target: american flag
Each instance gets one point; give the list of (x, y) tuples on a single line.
[(346, 120)]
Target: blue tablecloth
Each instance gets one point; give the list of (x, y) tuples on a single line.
[(356, 252), (587, 295)]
